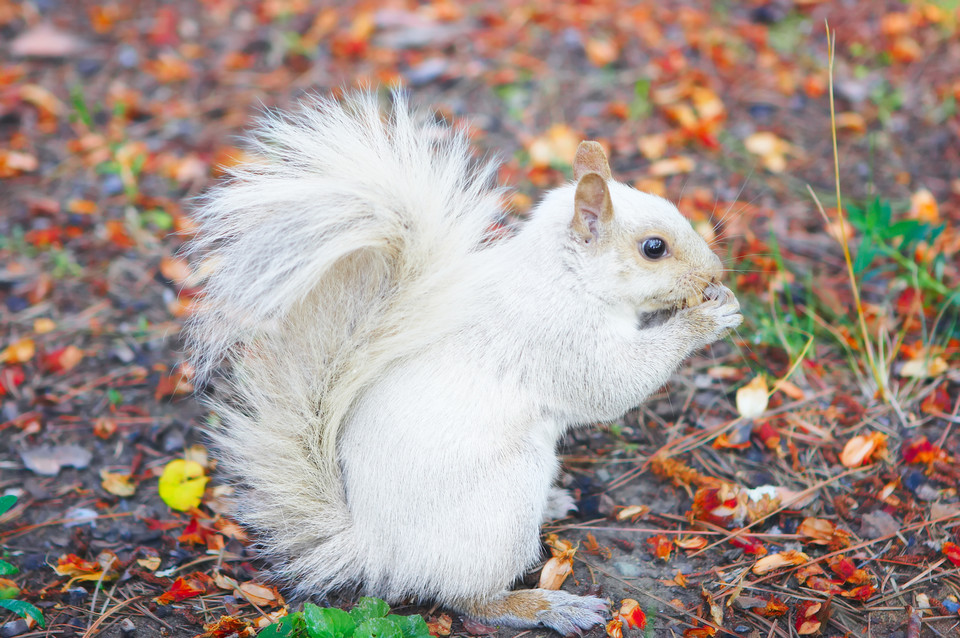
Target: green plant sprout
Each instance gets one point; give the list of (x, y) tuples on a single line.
[(369, 618), (8, 595)]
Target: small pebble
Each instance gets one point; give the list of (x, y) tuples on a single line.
[(13, 628), (128, 57), (762, 112), (16, 304), (111, 184), (173, 440), (87, 66), (127, 628), (626, 569)]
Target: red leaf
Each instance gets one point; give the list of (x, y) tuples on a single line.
[(952, 551), (182, 589)]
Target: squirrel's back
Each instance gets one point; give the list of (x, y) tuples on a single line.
[(336, 250)]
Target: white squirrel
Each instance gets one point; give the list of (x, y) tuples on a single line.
[(393, 381)]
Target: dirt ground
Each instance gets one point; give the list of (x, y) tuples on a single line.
[(115, 115)]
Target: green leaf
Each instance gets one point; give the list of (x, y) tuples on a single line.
[(413, 626), (9, 592), (6, 568), (857, 217), (6, 502), (290, 626), (328, 622), (378, 628), (23, 609), (866, 252), (369, 608)]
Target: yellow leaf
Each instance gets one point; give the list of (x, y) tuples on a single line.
[(182, 484), (117, 484), (44, 325), (771, 149), (752, 398), (19, 351), (924, 367), (150, 563)]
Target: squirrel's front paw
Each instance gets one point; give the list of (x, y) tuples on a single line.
[(716, 316)]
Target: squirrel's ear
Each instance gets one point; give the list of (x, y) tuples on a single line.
[(590, 159), (592, 208)]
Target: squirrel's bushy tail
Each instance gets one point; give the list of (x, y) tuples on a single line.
[(328, 255)]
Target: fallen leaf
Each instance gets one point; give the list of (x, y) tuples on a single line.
[(13, 163), (671, 166), (260, 595), (558, 146), (661, 545), (863, 448), (182, 484), (632, 614), (43, 325), (182, 588), (440, 625), (771, 149), (820, 531), (117, 484), (45, 41), (691, 543), (952, 552), (781, 559), (632, 512), (923, 206), (614, 627), (807, 621), (556, 570), (47, 460), (752, 398), (19, 351), (63, 359), (150, 563), (924, 367), (228, 627), (773, 609)]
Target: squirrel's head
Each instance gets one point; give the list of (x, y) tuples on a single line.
[(637, 248)]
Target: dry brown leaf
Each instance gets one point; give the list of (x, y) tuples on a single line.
[(260, 595)]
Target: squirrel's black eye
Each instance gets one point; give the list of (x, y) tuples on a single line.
[(653, 248)]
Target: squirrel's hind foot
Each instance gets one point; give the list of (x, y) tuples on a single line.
[(561, 611)]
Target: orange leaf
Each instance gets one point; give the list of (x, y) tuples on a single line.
[(864, 448), (662, 547), (952, 552), (632, 614)]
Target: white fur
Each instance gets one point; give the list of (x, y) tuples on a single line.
[(395, 386)]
